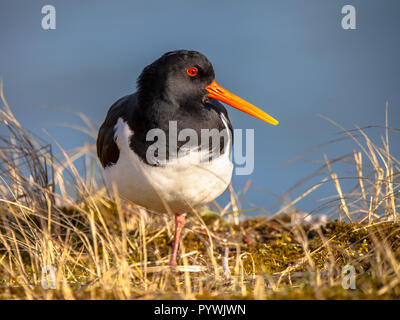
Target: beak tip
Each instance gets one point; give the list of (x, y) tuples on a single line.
[(272, 121)]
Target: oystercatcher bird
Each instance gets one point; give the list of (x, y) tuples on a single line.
[(176, 96)]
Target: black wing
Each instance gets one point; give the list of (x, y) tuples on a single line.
[(139, 122), (107, 149)]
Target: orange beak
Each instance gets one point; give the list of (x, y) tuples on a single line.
[(221, 94)]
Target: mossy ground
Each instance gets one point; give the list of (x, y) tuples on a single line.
[(267, 259)]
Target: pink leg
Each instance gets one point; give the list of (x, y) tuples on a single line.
[(180, 220)]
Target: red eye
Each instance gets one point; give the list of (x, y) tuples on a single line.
[(192, 71)]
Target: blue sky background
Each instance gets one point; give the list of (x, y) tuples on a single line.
[(292, 58)]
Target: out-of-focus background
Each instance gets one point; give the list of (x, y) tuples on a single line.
[(292, 58)]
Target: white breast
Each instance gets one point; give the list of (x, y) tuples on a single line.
[(181, 185)]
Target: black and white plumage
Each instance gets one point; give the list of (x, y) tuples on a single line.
[(182, 183), (179, 87)]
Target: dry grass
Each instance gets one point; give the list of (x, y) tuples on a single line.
[(102, 247)]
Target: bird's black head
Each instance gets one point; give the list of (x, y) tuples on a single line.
[(185, 78), (176, 77)]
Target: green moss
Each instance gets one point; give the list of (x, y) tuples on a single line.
[(272, 257)]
